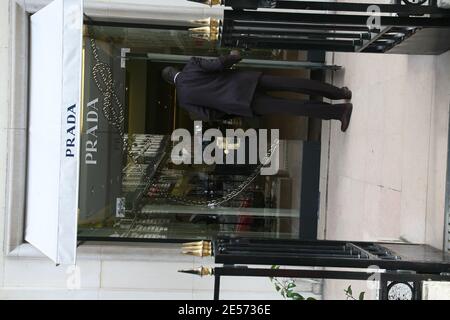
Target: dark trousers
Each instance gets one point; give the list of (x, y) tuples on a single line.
[(263, 103)]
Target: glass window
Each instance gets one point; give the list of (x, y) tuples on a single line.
[(131, 189)]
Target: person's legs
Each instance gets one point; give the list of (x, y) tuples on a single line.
[(264, 104), (306, 86)]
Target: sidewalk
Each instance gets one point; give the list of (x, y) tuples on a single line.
[(384, 179)]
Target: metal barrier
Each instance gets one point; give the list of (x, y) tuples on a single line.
[(421, 28), (391, 264)]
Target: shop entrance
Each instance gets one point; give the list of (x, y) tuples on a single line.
[(130, 189)]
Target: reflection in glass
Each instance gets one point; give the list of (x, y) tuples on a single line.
[(129, 186)]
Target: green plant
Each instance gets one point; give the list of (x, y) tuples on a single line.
[(286, 287), (349, 294)]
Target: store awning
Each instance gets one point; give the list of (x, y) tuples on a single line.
[(54, 124)]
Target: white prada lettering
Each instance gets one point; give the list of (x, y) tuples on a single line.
[(71, 121), (90, 157)]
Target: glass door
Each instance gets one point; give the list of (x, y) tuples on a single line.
[(130, 187)]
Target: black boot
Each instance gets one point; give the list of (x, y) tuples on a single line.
[(347, 94), (346, 115)]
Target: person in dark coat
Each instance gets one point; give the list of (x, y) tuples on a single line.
[(209, 89)]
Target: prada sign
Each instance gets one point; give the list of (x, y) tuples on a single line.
[(90, 146), (54, 129), (71, 131), (101, 145)]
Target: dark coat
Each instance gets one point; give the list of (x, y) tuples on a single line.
[(209, 90)]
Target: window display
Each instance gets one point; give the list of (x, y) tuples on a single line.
[(130, 187)]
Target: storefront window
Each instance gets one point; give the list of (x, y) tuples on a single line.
[(130, 188)]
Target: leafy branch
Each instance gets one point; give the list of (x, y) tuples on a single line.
[(287, 288), (349, 294)]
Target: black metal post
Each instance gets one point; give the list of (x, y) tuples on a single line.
[(301, 26), (240, 271), (361, 20), (383, 289), (242, 31), (336, 6), (216, 286)]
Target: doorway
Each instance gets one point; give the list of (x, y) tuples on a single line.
[(130, 190)]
